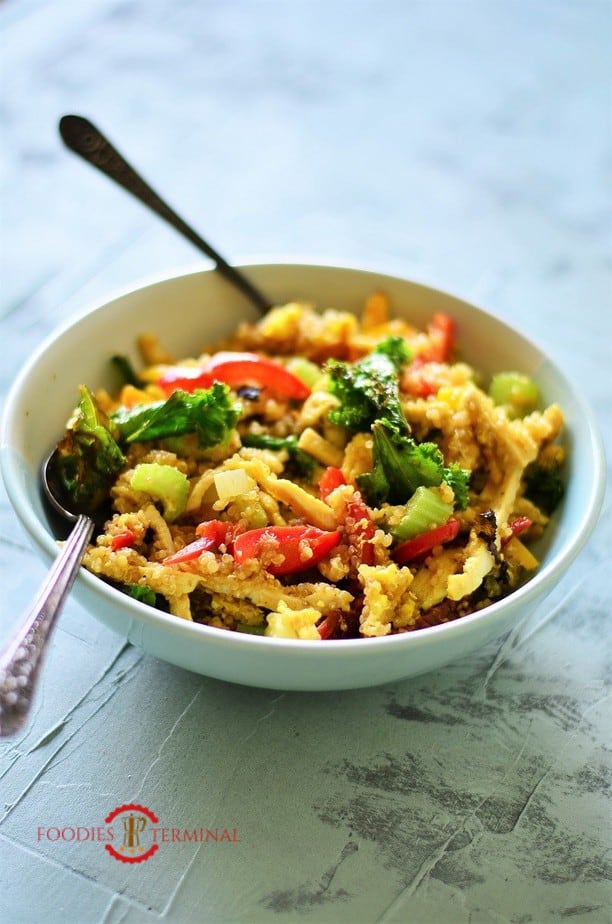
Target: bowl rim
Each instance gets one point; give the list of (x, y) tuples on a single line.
[(531, 588)]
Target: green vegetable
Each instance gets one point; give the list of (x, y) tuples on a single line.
[(164, 483), (126, 371), (209, 413), (368, 390), (459, 480), (544, 486), (139, 592), (401, 465), (304, 463), (305, 370), (518, 393), (88, 458), (424, 511), (250, 630)]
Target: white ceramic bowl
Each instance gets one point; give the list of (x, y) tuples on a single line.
[(187, 311)]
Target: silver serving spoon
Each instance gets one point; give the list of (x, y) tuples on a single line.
[(21, 660), (84, 139)]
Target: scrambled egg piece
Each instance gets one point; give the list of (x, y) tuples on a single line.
[(387, 602), (288, 623), (478, 564)]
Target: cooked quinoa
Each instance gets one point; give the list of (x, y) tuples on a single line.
[(363, 481)]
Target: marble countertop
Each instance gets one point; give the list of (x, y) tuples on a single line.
[(466, 145)]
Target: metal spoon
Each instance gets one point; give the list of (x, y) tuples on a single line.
[(89, 143), (21, 660)]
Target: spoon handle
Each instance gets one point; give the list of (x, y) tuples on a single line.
[(21, 660), (82, 137)]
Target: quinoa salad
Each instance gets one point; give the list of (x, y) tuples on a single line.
[(315, 476)]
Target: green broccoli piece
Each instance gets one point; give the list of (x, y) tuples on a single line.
[(544, 486), (401, 465), (368, 390)]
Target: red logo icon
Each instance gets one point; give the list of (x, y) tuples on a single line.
[(138, 840)]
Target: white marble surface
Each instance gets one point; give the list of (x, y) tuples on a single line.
[(463, 143)]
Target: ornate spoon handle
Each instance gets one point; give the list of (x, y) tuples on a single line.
[(89, 143), (21, 660)]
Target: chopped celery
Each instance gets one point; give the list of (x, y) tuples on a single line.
[(252, 511), (516, 391), (250, 630), (165, 483), (307, 371), (425, 510)]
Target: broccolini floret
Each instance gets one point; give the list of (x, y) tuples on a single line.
[(544, 486), (401, 465), (368, 392)]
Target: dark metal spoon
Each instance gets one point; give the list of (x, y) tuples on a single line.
[(89, 143), (21, 660)]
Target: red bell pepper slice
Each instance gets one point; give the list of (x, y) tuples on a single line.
[(517, 526), (211, 534), (216, 530), (236, 369), (331, 479), (327, 627), (441, 334), (123, 540), (415, 381), (413, 549), (288, 540)]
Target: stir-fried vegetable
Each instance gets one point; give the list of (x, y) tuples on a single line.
[(289, 548), (421, 545), (88, 458), (401, 465), (314, 482), (91, 454), (544, 486), (303, 462), (211, 414), (368, 390), (517, 392), (424, 510), (369, 397), (237, 369), (165, 483)]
